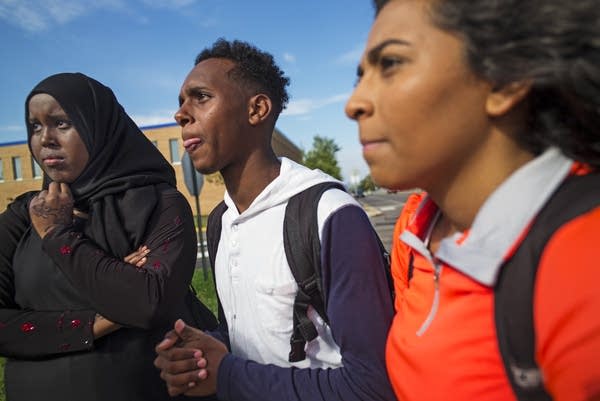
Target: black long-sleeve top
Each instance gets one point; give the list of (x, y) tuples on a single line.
[(51, 289)]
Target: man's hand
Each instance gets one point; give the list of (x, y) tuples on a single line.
[(51, 207), (189, 361)]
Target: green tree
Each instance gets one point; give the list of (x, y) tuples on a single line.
[(322, 156), (367, 184)]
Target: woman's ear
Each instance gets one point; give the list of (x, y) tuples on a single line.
[(503, 98), (259, 108)]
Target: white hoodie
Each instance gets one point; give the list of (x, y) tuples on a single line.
[(254, 281)]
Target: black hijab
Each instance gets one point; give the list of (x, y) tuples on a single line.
[(118, 186)]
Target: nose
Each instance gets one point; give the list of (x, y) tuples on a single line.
[(47, 137), (182, 116), (358, 105)]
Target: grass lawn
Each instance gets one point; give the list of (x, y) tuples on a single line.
[(205, 290)]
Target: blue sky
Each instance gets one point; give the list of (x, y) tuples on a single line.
[(143, 49)]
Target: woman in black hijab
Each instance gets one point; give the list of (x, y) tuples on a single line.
[(77, 321)]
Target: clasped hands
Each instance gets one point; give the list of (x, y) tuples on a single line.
[(189, 361)]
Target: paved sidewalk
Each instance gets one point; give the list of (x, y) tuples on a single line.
[(371, 210)]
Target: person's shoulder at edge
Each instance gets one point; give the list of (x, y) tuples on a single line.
[(399, 249), (409, 209), (566, 305)]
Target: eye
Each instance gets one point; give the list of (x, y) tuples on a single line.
[(63, 124), (201, 96), (388, 62), (35, 126), (359, 74)]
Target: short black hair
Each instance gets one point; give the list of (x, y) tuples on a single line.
[(554, 44), (253, 67)]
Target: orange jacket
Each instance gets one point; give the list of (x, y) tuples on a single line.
[(455, 356)]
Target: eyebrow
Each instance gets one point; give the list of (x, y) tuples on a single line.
[(374, 53), (194, 90), (52, 114)]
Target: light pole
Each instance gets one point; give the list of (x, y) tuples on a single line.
[(194, 181)]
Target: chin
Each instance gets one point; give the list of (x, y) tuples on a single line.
[(60, 178), (380, 174), (204, 169), (385, 178), (202, 166)]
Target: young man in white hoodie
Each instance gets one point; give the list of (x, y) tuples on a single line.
[(229, 104)]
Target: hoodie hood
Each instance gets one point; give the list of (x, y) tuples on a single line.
[(293, 178)]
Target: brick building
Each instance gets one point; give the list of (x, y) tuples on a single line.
[(20, 173)]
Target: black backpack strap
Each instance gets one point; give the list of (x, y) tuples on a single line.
[(213, 236), (387, 265), (202, 317), (303, 252), (514, 289)]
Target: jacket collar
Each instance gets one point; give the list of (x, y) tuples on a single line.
[(500, 223)]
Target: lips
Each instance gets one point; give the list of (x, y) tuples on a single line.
[(52, 160), (371, 143)]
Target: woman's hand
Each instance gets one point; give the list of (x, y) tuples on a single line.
[(102, 326), (138, 257), (51, 207)]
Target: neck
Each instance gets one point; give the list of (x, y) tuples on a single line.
[(246, 180), (461, 197)]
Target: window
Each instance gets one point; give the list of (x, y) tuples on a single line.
[(36, 169), (17, 172), (1, 171), (174, 148)]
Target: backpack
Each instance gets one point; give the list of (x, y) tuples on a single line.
[(513, 293), (303, 252)]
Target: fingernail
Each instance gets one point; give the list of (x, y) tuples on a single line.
[(191, 384)]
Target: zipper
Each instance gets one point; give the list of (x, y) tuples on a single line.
[(437, 272), (422, 246)]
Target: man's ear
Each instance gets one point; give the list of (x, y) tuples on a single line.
[(259, 108), (503, 98)]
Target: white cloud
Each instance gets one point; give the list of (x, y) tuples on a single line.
[(289, 57), (168, 3), (299, 107), (13, 128), (38, 15), (183, 7), (352, 56), (63, 12), (306, 106), (161, 117), (13, 10)]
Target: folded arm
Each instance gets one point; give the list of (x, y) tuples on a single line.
[(127, 294)]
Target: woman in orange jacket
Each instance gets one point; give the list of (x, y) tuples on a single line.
[(491, 107)]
